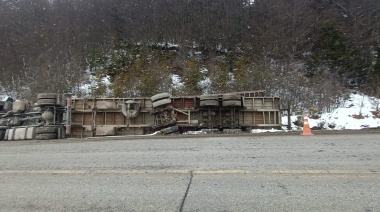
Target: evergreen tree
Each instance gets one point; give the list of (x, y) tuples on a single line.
[(374, 75), (192, 77), (334, 53)]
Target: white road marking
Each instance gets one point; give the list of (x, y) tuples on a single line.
[(184, 171)]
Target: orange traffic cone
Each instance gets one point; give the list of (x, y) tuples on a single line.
[(306, 126)]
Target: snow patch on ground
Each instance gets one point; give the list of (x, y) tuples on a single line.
[(358, 112), (195, 132), (264, 131)]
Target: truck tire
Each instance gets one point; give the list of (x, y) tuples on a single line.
[(231, 97), (160, 96), (209, 97), (161, 102), (209, 100), (44, 130), (232, 103), (209, 103), (42, 102), (46, 96), (46, 136)]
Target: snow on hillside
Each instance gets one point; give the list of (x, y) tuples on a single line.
[(358, 112), (3, 97)]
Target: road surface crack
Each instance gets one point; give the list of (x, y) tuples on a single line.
[(187, 191)]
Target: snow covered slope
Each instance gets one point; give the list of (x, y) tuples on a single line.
[(358, 112)]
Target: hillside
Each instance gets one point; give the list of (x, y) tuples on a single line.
[(310, 53)]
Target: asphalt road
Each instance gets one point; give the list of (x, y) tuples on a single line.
[(242, 173)]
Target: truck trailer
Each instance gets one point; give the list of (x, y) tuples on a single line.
[(55, 116)]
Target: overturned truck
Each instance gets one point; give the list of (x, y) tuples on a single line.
[(42, 120), (226, 112), (54, 116)]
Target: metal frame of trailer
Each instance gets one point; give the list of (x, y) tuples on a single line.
[(91, 117)]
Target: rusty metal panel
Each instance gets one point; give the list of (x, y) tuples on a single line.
[(109, 118), (80, 132), (82, 119), (78, 104), (119, 119), (76, 132), (177, 103), (88, 119), (77, 119), (189, 103), (143, 118), (99, 118), (184, 102), (259, 118)]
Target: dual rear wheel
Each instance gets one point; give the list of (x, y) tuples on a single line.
[(50, 132), (45, 99)]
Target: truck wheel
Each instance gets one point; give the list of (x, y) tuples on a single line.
[(209, 97), (231, 97), (232, 103), (44, 130), (209, 100), (46, 96), (46, 136), (209, 103), (42, 102), (161, 102), (160, 96)]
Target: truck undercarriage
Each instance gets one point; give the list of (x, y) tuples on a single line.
[(54, 116)]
